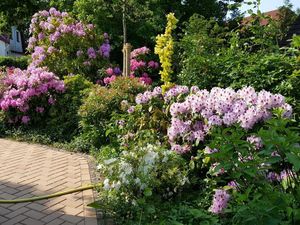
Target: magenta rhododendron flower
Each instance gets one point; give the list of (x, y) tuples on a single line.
[(109, 71), (25, 119), (22, 86)]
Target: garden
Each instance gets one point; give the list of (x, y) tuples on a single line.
[(203, 130)]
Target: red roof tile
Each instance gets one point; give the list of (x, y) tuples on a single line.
[(274, 14)]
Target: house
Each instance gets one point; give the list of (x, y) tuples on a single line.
[(13, 46), (4, 45)]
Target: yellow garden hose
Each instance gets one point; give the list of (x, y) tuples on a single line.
[(57, 194)]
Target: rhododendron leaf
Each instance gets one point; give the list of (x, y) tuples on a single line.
[(226, 188), (273, 160), (147, 192), (107, 132), (294, 159), (206, 160), (192, 164)]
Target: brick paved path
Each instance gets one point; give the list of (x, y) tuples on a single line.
[(27, 170)]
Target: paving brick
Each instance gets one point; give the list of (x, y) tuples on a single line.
[(28, 170), (30, 221), (56, 222), (2, 219), (14, 220), (34, 214)]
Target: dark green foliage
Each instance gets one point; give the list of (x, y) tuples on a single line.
[(144, 19), (213, 57), (18, 62), (63, 117)]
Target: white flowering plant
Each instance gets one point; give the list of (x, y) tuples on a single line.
[(133, 177)]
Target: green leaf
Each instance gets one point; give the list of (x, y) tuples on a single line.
[(107, 132), (295, 160), (148, 192), (94, 205)]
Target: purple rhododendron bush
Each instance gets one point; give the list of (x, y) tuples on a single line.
[(66, 45), (213, 157)]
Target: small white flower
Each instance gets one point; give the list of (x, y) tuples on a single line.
[(116, 185), (99, 166), (109, 161), (106, 185), (137, 181)]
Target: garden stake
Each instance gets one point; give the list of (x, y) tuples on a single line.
[(57, 194)]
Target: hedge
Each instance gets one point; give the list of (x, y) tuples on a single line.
[(8, 61)]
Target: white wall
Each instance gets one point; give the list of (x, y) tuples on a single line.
[(3, 48), (15, 42)]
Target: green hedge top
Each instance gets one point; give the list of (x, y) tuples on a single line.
[(19, 62)]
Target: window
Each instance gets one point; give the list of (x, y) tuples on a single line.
[(17, 33)]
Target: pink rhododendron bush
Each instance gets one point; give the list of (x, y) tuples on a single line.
[(66, 45), (142, 66), (26, 95), (222, 156)]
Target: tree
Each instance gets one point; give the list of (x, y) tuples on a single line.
[(18, 13), (145, 19), (286, 17)]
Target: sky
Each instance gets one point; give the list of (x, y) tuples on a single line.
[(268, 5)]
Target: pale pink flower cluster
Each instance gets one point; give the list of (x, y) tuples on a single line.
[(221, 107), (199, 110), (255, 141), (220, 201), (139, 51)]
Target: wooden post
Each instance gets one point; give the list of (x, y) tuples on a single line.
[(126, 59)]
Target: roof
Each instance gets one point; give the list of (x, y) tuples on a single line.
[(274, 14), (4, 38)]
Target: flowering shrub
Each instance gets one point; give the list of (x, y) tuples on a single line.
[(141, 66), (65, 45), (165, 49), (29, 93), (136, 175), (192, 118), (236, 144)]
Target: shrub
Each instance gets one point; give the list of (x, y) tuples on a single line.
[(29, 94), (241, 153), (165, 49), (133, 177), (212, 57), (101, 103), (67, 46), (63, 120), (18, 62)]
